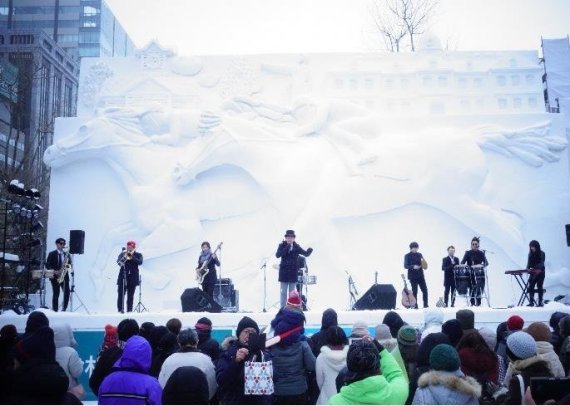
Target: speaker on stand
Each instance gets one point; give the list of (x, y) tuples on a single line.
[(76, 246)]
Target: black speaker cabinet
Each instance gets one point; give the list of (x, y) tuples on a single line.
[(568, 235), (377, 297), (195, 300), (76, 241)]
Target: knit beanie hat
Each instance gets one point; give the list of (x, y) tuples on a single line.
[(204, 323), (407, 336), (489, 336), (8, 332), (244, 323), (127, 328), (111, 337), (187, 337), (539, 331), (359, 329), (452, 328), (35, 321), (521, 345), (467, 319), (362, 357), (37, 345), (294, 299), (515, 323), (383, 332), (444, 357)]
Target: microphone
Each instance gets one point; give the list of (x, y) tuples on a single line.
[(490, 252)]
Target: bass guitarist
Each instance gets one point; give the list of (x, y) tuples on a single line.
[(212, 260)]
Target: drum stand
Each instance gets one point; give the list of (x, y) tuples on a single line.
[(72, 291), (139, 308)]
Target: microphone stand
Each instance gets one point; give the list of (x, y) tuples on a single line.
[(264, 267), (220, 295)]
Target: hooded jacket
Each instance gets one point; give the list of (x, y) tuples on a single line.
[(129, 383), (207, 345), (528, 368), (433, 322), (390, 388), (447, 388), (546, 351), (290, 366), (317, 340), (394, 322), (328, 365), (65, 353)]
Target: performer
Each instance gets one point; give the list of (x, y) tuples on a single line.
[(536, 258), (289, 252), (55, 260), (210, 279), (448, 276), (128, 280), (476, 258), (413, 263)]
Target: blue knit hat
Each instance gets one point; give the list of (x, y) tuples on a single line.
[(444, 357), (521, 345)]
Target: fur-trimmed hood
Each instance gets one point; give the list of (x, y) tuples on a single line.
[(455, 381), (335, 358), (538, 361)]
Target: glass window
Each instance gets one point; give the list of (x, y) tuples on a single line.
[(4, 11), (442, 81), (502, 103), (90, 11), (517, 102), (478, 82), (501, 80), (532, 101), (515, 80), (462, 82), (339, 83), (529, 79)]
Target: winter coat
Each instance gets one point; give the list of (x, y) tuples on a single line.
[(104, 367), (394, 321), (207, 345), (168, 345), (565, 355), (527, 368), (516, 367), (546, 351), (447, 266), (317, 340), (422, 359), (190, 359), (289, 261), (447, 388), (230, 378), (290, 366), (129, 383), (482, 367), (131, 268), (186, 386), (328, 365), (433, 322), (65, 353), (390, 388), (411, 259), (556, 339)]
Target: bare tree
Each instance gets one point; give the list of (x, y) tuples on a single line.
[(398, 19)]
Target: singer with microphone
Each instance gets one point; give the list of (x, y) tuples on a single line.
[(128, 278), (477, 260), (289, 252)]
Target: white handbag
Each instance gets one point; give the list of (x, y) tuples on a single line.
[(258, 377)]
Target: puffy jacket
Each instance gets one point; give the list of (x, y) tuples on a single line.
[(129, 383), (190, 359), (447, 388), (528, 368), (546, 351), (390, 388), (433, 322), (328, 365), (65, 353), (207, 345), (290, 366)]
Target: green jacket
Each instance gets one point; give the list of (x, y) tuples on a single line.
[(390, 388)]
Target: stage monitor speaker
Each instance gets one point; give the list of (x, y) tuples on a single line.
[(76, 241), (377, 297), (568, 235), (195, 300)]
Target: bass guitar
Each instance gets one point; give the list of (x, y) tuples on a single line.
[(408, 299), (203, 270)]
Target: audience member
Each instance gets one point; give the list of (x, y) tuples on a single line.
[(556, 339), (515, 323), (384, 337), (35, 321), (394, 321), (477, 359), (145, 330), (110, 338), (206, 344), (467, 319), (129, 382), (174, 325), (186, 386), (167, 346), (424, 351), (446, 384), (542, 335), (565, 346), (67, 357), (452, 329), (190, 356), (433, 321), (359, 330), (317, 340), (490, 338), (407, 352), (331, 360)]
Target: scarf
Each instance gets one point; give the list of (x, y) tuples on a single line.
[(204, 256)]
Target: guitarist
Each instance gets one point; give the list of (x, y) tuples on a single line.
[(413, 263), (448, 277), (55, 260), (210, 279)]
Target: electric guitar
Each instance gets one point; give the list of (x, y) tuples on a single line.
[(408, 299), (203, 270)]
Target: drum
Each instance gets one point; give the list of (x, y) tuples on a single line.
[(478, 274), (462, 275), (311, 279)]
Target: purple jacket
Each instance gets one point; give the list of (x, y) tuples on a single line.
[(129, 383)]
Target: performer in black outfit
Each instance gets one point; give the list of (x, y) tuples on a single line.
[(128, 279), (210, 279), (55, 261), (536, 258), (448, 277), (413, 263), (475, 257), (289, 252)]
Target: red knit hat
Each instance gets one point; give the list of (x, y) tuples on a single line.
[(111, 337), (131, 242), (515, 323), (294, 299)]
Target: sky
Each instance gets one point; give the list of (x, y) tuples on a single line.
[(206, 27)]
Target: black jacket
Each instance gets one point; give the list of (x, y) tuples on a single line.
[(317, 340), (131, 267), (474, 257), (103, 367), (411, 259), (211, 275), (53, 262), (289, 266), (207, 345), (535, 262), (447, 268)]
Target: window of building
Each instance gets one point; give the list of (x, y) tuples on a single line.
[(353, 84), (57, 81), (478, 82), (517, 102), (4, 11), (515, 80), (67, 38), (368, 83), (529, 79), (462, 83), (67, 99), (21, 39), (501, 80), (90, 11), (89, 37), (502, 103), (47, 45), (59, 57), (532, 102), (339, 83), (442, 81)]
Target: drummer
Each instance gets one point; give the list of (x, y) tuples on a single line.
[(476, 259), (448, 263)]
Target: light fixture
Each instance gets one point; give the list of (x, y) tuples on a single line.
[(38, 226)]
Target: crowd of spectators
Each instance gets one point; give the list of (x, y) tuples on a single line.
[(391, 362)]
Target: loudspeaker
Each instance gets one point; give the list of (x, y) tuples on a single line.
[(195, 300), (76, 241), (377, 297), (568, 235)]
